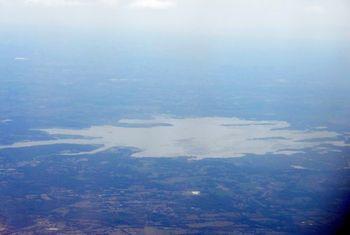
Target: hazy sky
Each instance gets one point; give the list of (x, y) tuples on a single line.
[(257, 18)]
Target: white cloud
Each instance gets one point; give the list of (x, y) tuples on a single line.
[(20, 58), (6, 121), (150, 4), (153, 4), (195, 137), (60, 3), (243, 19), (317, 9), (298, 167), (51, 3)]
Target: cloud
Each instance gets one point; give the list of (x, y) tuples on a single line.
[(60, 3), (195, 137), (149, 4), (53, 3), (20, 58), (5, 120), (153, 4), (274, 19), (317, 9)]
